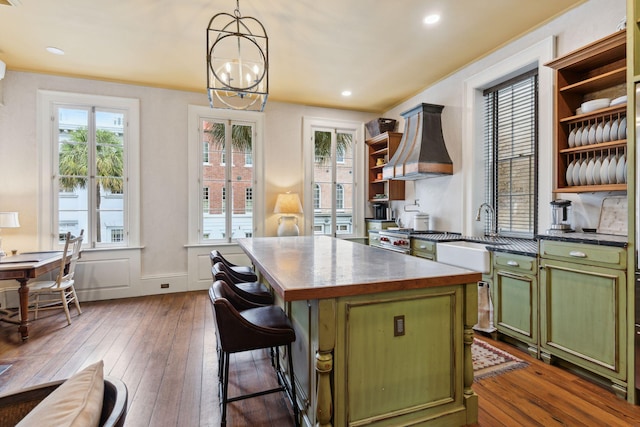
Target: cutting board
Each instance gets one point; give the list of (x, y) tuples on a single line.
[(613, 216)]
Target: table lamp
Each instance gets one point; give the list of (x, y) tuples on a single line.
[(8, 220), (288, 204)]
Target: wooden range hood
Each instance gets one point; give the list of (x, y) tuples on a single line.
[(422, 152)]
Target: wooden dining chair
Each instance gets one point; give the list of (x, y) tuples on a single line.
[(59, 293)]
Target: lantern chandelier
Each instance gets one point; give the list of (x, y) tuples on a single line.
[(237, 62)]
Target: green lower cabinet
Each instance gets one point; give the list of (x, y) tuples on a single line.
[(515, 299), (423, 249), (583, 318)]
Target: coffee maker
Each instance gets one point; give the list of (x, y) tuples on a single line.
[(560, 216), (379, 210)]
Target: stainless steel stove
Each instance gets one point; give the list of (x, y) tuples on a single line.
[(399, 240)]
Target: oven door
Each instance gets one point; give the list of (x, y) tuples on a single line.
[(391, 247)]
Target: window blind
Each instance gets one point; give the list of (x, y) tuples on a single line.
[(511, 155)]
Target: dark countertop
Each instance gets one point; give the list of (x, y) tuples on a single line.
[(528, 247), (589, 238), (524, 247)]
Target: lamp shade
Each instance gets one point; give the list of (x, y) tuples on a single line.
[(288, 203), (9, 220)]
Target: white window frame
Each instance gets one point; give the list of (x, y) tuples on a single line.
[(310, 125), (472, 133), (47, 101), (196, 114)]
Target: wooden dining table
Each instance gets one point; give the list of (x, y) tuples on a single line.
[(23, 267)]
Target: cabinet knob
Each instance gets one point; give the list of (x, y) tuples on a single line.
[(513, 263), (577, 254)]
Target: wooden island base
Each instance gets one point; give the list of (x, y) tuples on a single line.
[(383, 339)]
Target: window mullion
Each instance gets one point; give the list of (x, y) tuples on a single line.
[(228, 201), (92, 177)]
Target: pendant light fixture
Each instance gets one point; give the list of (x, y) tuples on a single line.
[(237, 62)]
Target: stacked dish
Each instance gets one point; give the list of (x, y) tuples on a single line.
[(595, 104), (601, 170)]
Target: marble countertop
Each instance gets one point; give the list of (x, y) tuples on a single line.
[(318, 267)]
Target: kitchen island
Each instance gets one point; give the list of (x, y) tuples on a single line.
[(382, 338)]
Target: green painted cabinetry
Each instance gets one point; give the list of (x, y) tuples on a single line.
[(423, 249), (515, 298), (583, 317)]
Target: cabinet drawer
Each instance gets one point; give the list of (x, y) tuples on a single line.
[(606, 256), (520, 263), (374, 225), (426, 255), (423, 245), (374, 238), (379, 225)]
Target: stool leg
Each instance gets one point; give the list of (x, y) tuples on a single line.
[(220, 364), (225, 387), (293, 387)]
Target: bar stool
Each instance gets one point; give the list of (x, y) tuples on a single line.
[(252, 329), (253, 291), (242, 273)]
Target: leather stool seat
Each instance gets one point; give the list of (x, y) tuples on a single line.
[(240, 273), (251, 329), (253, 291)]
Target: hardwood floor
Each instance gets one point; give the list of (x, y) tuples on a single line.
[(163, 347)]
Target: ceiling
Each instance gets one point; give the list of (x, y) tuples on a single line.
[(379, 50)]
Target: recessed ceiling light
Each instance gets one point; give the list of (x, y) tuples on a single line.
[(431, 19), (55, 50), (346, 93)]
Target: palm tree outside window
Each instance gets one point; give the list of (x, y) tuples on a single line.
[(91, 157), (333, 174)]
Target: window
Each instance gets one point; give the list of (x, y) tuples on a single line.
[(232, 187), (340, 153), (340, 196), (224, 199), (332, 171), (90, 165), (248, 199), (117, 234), (205, 199), (511, 148), (205, 152), (316, 197)]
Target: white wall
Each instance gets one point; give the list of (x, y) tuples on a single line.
[(163, 146), (444, 197), (164, 154)]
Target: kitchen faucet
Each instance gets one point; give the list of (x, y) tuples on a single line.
[(490, 210)]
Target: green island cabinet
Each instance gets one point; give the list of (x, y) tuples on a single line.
[(515, 298), (583, 315)]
